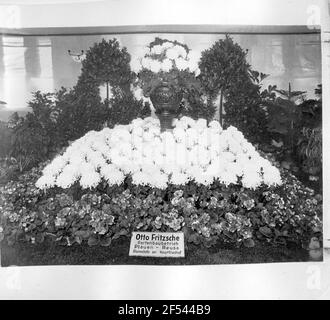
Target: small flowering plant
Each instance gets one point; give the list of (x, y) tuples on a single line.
[(167, 61)]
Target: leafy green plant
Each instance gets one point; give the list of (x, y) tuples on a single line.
[(221, 66), (207, 215), (284, 114), (124, 109), (310, 149), (107, 63), (5, 139)]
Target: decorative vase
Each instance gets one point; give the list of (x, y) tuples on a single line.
[(166, 101)]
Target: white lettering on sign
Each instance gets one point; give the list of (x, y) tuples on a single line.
[(157, 244)]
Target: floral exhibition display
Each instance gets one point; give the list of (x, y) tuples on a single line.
[(168, 172)]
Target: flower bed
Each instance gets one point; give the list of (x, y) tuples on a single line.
[(243, 200)]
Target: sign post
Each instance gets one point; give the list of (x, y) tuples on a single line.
[(157, 244)]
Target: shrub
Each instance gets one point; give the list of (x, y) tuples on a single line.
[(126, 108), (226, 72), (5, 139), (35, 135)]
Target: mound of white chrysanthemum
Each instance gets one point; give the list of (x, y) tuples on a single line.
[(194, 151)]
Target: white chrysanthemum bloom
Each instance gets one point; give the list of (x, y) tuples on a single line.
[(223, 144), (170, 155), (147, 150), (166, 65), (96, 159), (179, 178), (204, 158), (192, 156), (118, 159), (112, 175), (201, 124), (136, 139), (214, 169), (190, 121), (214, 140), (68, 177), (55, 167), (228, 156), (201, 177), (167, 44), (171, 53), (159, 180), (227, 177), (130, 167), (107, 131), (156, 143), (154, 131), (181, 64), (137, 131), (204, 138), (235, 167), (148, 136), (181, 154), (138, 158), (271, 176), (146, 120), (155, 66), (214, 152), (179, 134), (100, 145), (180, 50), (159, 159), (120, 134), (125, 127), (168, 141), (251, 178), (169, 167), (45, 182), (146, 62), (140, 178), (157, 49), (238, 136), (215, 125), (89, 177), (234, 147), (125, 149), (147, 161), (192, 137)]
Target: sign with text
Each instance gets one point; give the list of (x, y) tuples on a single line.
[(157, 244)]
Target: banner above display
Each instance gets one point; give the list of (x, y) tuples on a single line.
[(157, 244)]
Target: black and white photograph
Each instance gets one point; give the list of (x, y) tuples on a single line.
[(161, 143)]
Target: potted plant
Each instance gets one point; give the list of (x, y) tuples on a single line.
[(167, 74)]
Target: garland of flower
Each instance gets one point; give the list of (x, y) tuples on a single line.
[(194, 151)]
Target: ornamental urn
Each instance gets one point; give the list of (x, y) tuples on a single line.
[(166, 99)]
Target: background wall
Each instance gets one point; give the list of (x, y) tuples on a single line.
[(30, 63), (52, 13)]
